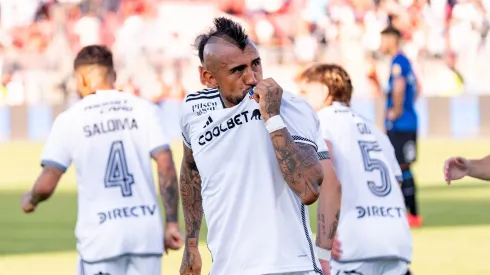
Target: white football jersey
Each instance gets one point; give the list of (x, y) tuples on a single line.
[(373, 220), (109, 137), (256, 223)]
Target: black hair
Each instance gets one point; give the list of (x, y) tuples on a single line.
[(94, 55), (392, 30), (223, 28)]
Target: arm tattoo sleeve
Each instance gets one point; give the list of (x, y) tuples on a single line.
[(190, 189), (299, 164), (167, 181)]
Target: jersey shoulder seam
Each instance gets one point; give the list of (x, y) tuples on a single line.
[(202, 95)]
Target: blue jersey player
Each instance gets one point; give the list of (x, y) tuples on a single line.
[(401, 117)]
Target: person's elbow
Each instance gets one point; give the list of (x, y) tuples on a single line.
[(312, 192)]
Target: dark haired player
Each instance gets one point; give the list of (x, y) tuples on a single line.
[(250, 162), (401, 117), (110, 137)]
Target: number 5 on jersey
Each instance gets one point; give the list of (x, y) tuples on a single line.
[(117, 173), (372, 164)]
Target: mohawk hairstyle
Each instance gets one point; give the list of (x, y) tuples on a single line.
[(94, 55), (224, 28)]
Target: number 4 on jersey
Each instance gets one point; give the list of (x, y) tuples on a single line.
[(117, 173)]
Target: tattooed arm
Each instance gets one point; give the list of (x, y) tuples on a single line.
[(328, 212), (43, 188), (167, 182), (190, 189), (299, 164)]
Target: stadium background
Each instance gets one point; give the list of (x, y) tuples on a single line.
[(151, 40)]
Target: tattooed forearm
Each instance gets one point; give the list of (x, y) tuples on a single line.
[(190, 189), (321, 228), (333, 226), (299, 165), (329, 204), (45, 184), (167, 181)]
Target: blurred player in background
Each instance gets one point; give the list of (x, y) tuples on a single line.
[(456, 168), (110, 137), (373, 229), (250, 162), (401, 118)]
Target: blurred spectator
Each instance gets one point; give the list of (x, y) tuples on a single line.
[(152, 42)]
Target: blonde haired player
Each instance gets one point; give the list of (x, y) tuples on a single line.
[(110, 137), (373, 228)]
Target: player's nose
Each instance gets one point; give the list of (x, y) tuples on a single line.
[(250, 78)]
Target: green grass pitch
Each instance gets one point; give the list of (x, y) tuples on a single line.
[(454, 240)]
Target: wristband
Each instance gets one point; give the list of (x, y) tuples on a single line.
[(274, 123), (323, 254)]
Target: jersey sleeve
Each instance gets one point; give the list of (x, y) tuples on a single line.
[(184, 125), (301, 120), (158, 140), (322, 148), (400, 68), (57, 150)]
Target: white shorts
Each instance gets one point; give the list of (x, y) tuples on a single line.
[(382, 267), (125, 265), (297, 273)]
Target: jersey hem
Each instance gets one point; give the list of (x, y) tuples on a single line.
[(372, 259), (111, 258), (54, 164), (276, 270)]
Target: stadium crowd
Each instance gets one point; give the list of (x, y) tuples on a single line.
[(151, 40)]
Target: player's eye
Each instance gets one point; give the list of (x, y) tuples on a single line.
[(256, 63), (238, 69)]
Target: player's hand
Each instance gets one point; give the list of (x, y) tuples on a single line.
[(269, 96), (391, 115), (325, 267), (27, 205), (191, 262), (336, 249), (455, 168), (173, 237)]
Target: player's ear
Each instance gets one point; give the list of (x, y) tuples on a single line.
[(207, 78), (325, 92), (83, 84), (201, 76)]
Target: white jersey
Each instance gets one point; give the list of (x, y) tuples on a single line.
[(256, 224), (109, 136), (373, 223)]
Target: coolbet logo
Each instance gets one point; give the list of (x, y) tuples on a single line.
[(202, 108), (236, 120)]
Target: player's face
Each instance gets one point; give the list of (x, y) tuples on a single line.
[(236, 71), (314, 93), (388, 42)]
